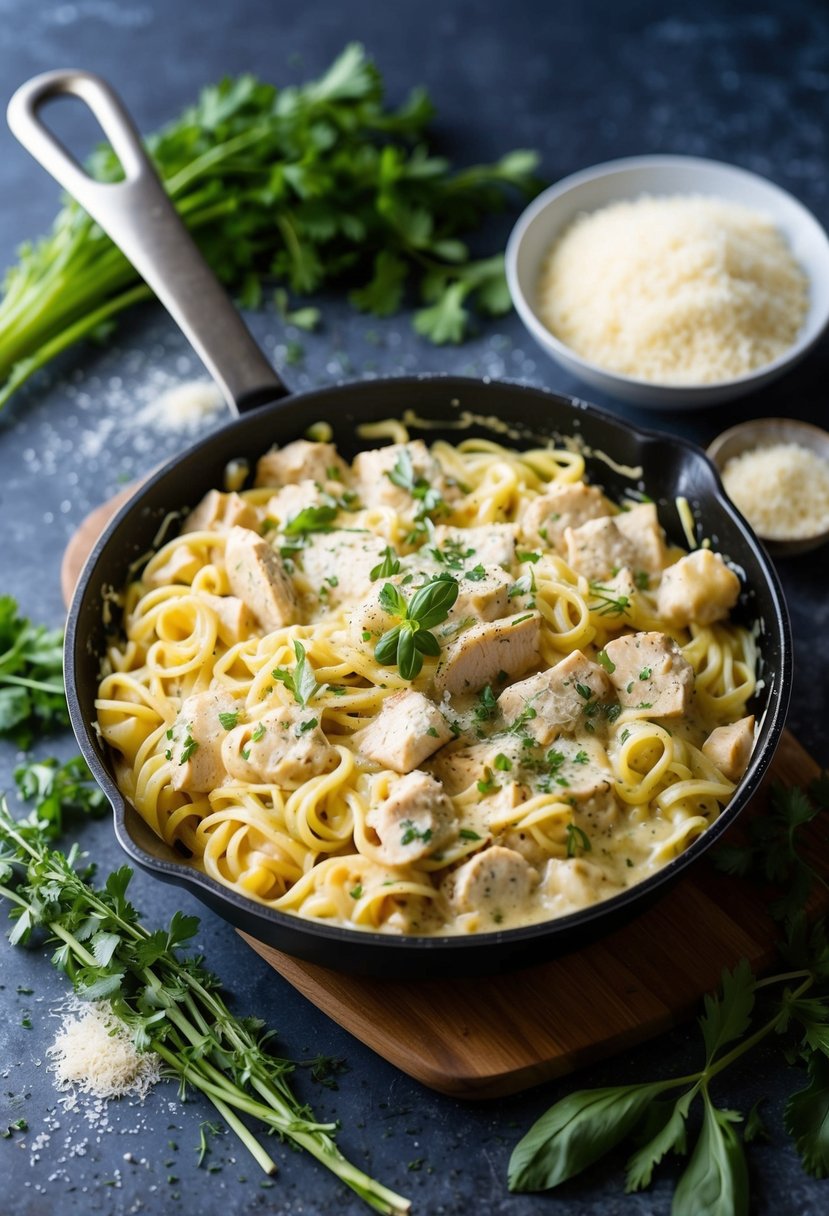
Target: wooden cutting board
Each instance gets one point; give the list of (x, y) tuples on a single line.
[(485, 1038)]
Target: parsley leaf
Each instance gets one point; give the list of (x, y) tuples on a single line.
[(301, 681), (32, 696)]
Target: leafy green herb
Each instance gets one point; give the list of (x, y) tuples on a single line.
[(405, 644), (429, 500), (203, 1148), (476, 574), (59, 790), (502, 763), (468, 834), (167, 1001), (388, 566), (581, 757), (487, 784), (188, 747), (487, 706), (645, 673), (453, 554), (606, 662), (607, 602), (229, 720), (301, 681), (412, 832), (32, 697), (356, 892), (307, 185), (583, 1127), (642, 580), (311, 519), (19, 1125), (528, 557), (258, 732), (525, 585)]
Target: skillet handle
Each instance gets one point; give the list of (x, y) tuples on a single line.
[(142, 221)]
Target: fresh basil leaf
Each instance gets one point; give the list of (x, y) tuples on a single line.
[(716, 1180), (409, 658), (311, 519), (806, 1118), (577, 1131), (388, 566), (305, 682), (427, 643), (392, 601), (385, 651), (431, 604)]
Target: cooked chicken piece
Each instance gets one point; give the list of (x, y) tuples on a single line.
[(408, 729), (558, 696), (415, 820), (375, 487), (483, 594), (287, 502), (699, 587), (234, 616), (489, 544), (576, 882), (495, 881), (367, 622), (284, 747), (460, 767), (567, 506), (257, 576), (478, 656), (217, 512), (341, 562), (195, 746), (640, 525), (597, 548), (300, 461), (651, 674), (181, 566), (578, 769), (729, 747)]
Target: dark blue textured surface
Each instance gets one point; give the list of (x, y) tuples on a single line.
[(582, 82)]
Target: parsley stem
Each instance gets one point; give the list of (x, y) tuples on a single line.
[(711, 1070), (40, 685)]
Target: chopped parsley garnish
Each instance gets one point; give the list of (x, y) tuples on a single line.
[(311, 519), (528, 557), (519, 619), (357, 891), (502, 763), (625, 735), (189, 746), (301, 681), (412, 832), (642, 580), (258, 732), (525, 585), (581, 757), (228, 720), (487, 705), (476, 574), (645, 673), (487, 784), (453, 554), (577, 839), (468, 834), (308, 724), (429, 501), (431, 731), (608, 604), (584, 692), (366, 635), (606, 662)]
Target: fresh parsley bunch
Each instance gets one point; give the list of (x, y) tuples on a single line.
[(302, 186), (588, 1124), (31, 675)]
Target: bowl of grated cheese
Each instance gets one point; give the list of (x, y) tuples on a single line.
[(776, 472), (670, 281)]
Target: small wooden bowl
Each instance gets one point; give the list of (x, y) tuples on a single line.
[(763, 433)]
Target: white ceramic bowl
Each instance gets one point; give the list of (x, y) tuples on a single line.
[(552, 211)]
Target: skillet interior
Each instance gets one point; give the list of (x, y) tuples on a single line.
[(669, 467)]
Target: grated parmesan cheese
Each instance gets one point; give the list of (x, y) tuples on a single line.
[(676, 290), (782, 489), (93, 1054), (183, 407)]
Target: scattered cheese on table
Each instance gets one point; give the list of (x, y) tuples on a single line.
[(782, 489), (678, 290), (93, 1053)]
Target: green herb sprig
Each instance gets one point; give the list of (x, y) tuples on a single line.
[(301, 186), (302, 681), (58, 791), (585, 1126), (32, 697), (404, 645), (168, 1001)]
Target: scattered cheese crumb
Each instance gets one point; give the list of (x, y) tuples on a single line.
[(676, 290), (782, 489), (93, 1053), (183, 407)]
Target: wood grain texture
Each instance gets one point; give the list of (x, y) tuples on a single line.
[(485, 1038), (82, 541)]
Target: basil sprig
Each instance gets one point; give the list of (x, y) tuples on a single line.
[(405, 645)]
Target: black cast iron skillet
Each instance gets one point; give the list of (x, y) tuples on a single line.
[(138, 216)]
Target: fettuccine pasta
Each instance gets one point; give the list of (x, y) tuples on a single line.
[(441, 690)]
